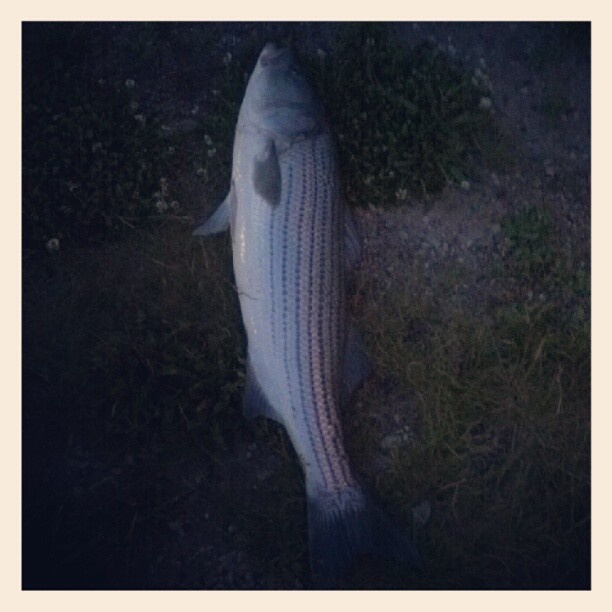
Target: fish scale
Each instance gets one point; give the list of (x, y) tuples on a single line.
[(292, 241), (303, 234)]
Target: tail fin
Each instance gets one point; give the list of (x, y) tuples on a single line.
[(343, 525)]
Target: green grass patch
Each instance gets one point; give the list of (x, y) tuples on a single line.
[(503, 447), (408, 121), (149, 333), (536, 260)]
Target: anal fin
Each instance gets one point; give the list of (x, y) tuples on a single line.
[(255, 403)]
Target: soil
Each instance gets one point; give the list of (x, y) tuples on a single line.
[(531, 67)]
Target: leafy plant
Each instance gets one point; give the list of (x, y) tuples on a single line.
[(92, 160), (528, 234), (407, 121)]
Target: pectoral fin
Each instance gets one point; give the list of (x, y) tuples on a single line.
[(267, 175), (220, 219)]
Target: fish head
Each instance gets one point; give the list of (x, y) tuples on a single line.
[(278, 98)]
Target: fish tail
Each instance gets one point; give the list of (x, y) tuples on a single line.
[(343, 525)]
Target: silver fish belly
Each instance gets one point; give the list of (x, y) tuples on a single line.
[(292, 242)]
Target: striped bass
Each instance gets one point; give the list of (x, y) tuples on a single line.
[(292, 243)]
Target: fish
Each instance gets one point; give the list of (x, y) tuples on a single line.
[(293, 243)]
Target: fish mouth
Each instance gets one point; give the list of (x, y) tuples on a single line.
[(272, 54)]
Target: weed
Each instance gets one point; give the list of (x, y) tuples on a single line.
[(536, 260), (407, 121), (503, 448), (92, 160), (156, 333)]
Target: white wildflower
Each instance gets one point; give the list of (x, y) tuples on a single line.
[(129, 83), (212, 152), (161, 206), (201, 171), (208, 140), (195, 110), (141, 119), (227, 59), (485, 103), (53, 245), (401, 194), (465, 185)]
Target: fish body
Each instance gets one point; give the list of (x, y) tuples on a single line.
[(292, 243)]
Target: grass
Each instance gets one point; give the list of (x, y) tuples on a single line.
[(409, 122), (503, 447), (134, 358)]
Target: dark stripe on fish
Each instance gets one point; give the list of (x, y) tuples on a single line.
[(284, 284), (303, 204)]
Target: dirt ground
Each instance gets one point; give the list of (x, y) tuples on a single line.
[(540, 79)]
